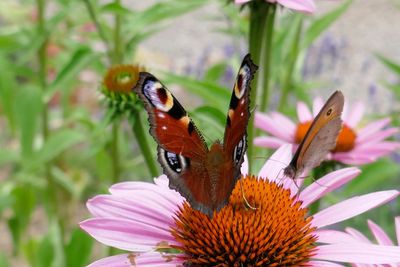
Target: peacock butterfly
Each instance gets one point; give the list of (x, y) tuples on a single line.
[(204, 176)]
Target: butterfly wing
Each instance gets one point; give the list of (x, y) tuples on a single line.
[(320, 137), (235, 137), (181, 147)]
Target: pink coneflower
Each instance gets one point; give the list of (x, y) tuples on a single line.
[(354, 146), (307, 6), (146, 218)]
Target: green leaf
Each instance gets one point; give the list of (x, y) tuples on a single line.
[(79, 60), (215, 72), (56, 144), (4, 261), (373, 176), (45, 253), (27, 110), (115, 8), (210, 121), (390, 64), (319, 25), (213, 94), (160, 12), (78, 249), (8, 156), (7, 91)]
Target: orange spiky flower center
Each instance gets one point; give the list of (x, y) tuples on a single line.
[(277, 232), (122, 78), (345, 141)]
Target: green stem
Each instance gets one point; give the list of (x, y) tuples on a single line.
[(115, 152), (293, 55), (117, 37), (99, 29), (258, 13), (266, 56), (42, 57), (141, 137)]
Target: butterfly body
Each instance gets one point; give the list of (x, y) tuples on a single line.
[(204, 176), (320, 138)]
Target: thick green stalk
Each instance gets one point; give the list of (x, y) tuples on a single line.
[(115, 152), (266, 57), (141, 138), (294, 53), (42, 58), (258, 14)]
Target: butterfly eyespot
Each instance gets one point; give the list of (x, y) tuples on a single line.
[(176, 163), (329, 112), (239, 150)]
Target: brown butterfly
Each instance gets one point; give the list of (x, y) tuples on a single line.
[(205, 177), (320, 138)]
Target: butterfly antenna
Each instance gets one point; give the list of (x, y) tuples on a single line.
[(244, 196)]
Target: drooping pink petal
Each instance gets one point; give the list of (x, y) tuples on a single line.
[(380, 235), (274, 127), (150, 259), (358, 235), (276, 163), (351, 158), (361, 253), (268, 141), (285, 123), (323, 264), (126, 234), (326, 184), (136, 209), (317, 105), (372, 128), (333, 236), (303, 112), (355, 116), (352, 207), (307, 6)]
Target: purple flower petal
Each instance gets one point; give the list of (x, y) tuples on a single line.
[(273, 126), (355, 116), (150, 259), (372, 128), (307, 6), (268, 141), (326, 184), (380, 235), (127, 234), (333, 237), (361, 253), (317, 105), (352, 207), (303, 112), (276, 163), (358, 235), (323, 264)]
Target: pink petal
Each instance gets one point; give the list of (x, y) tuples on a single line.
[(361, 253), (127, 234), (164, 197), (352, 207), (317, 105), (303, 112), (268, 141), (284, 123), (241, 1), (352, 159), (323, 264), (136, 209), (378, 136), (358, 235), (380, 235), (276, 163), (397, 222), (333, 236), (326, 184), (244, 169), (307, 6), (153, 259), (372, 128), (275, 126), (355, 116)]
